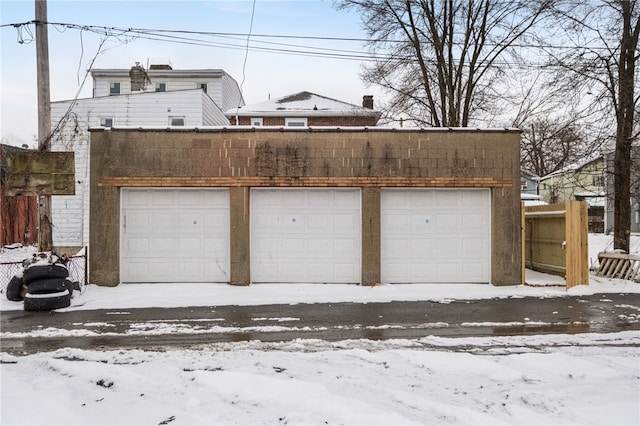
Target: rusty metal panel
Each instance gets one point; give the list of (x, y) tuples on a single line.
[(40, 173)]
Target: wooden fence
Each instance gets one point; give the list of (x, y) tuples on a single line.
[(18, 220), (555, 240)]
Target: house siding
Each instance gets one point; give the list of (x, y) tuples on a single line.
[(212, 115), (70, 214), (367, 159), (230, 96)]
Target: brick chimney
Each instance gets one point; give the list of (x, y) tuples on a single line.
[(138, 77), (367, 101)]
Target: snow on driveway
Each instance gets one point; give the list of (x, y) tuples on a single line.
[(586, 379), (310, 382)]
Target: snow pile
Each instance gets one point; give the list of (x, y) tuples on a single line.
[(318, 383)]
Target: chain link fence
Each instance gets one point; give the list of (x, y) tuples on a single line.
[(77, 266)]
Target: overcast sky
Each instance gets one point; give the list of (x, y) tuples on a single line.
[(266, 73)]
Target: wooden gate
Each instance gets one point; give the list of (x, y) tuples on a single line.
[(555, 240)]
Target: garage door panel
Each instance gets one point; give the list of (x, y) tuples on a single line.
[(138, 223), (447, 224), (319, 222), (437, 232), (344, 247), (320, 247), (346, 222), (158, 221), (473, 223), (420, 248), (266, 221), (161, 247), (395, 247), (169, 235), (471, 247), (307, 232), (293, 223), (137, 247), (345, 198), (291, 247), (163, 198), (396, 222)]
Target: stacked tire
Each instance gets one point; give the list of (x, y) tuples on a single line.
[(42, 286), (47, 287)]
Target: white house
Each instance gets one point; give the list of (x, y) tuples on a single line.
[(158, 97)]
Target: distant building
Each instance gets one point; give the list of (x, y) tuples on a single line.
[(305, 109)]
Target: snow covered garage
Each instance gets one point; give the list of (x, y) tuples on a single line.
[(318, 205)]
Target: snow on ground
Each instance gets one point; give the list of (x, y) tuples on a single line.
[(319, 383), (128, 296), (585, 379)]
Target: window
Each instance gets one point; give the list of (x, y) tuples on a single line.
[(597, 180), (295, 122), (203, 86), (114, 88), (176, 121), (256, 121), (161, 87), (637, 216), (523, 184), (106, 121)]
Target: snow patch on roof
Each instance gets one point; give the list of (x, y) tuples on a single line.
[(302, 101)]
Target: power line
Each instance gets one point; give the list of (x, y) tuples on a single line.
[(286, 36)]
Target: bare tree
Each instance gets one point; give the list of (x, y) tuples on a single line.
[(443, 60), (603, 60), (548, 145)]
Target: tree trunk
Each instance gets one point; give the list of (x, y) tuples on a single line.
[(624, 130)]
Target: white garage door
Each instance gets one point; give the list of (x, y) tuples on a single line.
[(175, 235), (435, 235), (305, 235)]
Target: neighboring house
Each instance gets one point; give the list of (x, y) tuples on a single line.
[(583, 181), (528, 183), (244, 205), (159, 97), (635, 190), (305, 109)]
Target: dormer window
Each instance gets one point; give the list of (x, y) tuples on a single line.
[(106, 121), (114, 88)]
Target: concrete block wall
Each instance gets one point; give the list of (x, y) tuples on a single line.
[(244, 158)]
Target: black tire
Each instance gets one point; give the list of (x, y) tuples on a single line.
[(37, 272), (47, 285), (69, 286), (46, 302), (14, 289)]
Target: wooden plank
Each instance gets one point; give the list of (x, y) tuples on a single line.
[(606, 255), (40, 173), (576, 223)]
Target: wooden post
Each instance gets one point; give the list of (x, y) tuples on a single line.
[(45, 237), (576, 235), (523, 241)]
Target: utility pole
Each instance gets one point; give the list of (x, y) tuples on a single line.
[(45, 237)]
